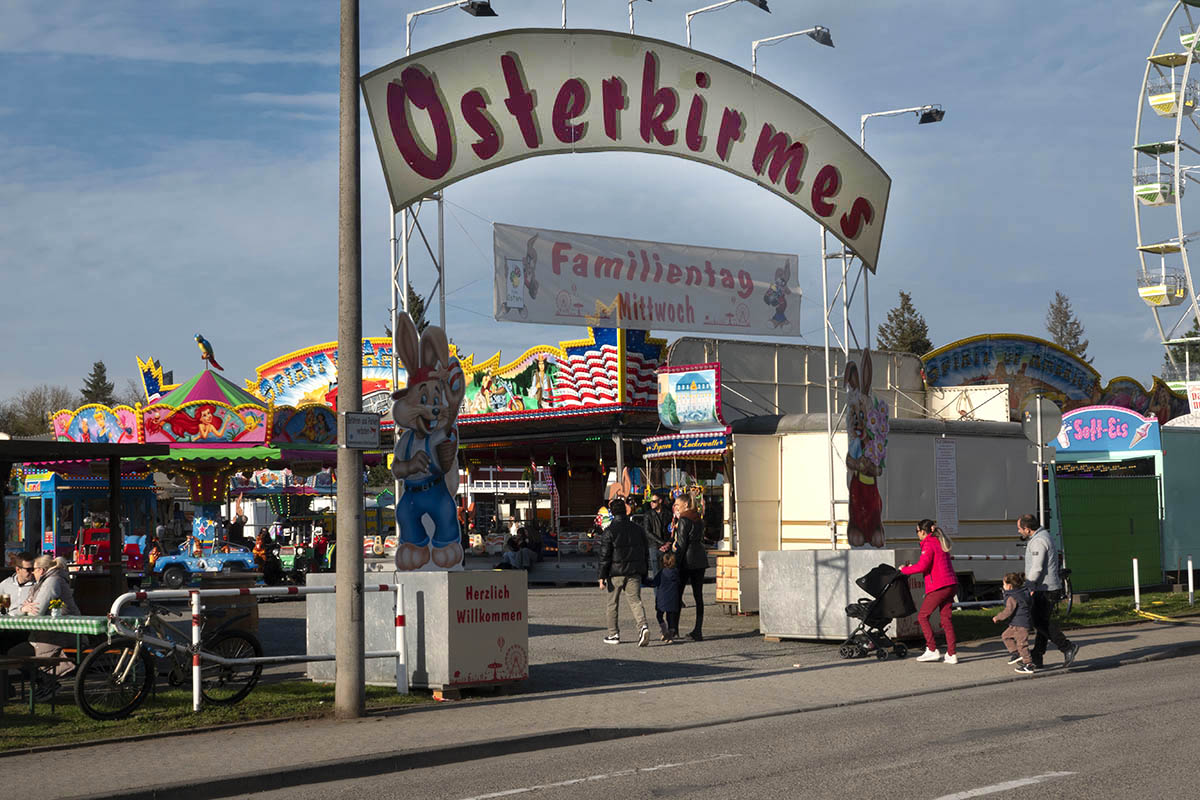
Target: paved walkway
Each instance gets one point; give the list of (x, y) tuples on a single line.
[(733, 675)]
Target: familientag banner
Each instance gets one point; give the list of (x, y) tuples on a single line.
[(555, 277)]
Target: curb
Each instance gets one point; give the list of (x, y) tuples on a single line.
[(403, 760)]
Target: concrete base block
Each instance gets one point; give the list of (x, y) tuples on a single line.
[(463, 628), (803, 594)]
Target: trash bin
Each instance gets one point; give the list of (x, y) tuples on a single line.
[(232, 606)]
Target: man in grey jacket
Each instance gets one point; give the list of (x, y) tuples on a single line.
[(1044, 581)]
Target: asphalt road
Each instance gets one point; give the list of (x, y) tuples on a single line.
[(1084, 734)]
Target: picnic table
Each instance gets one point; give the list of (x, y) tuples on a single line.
[(80, 626)]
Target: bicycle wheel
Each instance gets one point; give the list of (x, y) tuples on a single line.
[(114, 679), (225, 684)]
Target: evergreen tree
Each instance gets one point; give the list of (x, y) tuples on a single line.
[(905, 330), (1064, 327), (416, 310), (96, 386)]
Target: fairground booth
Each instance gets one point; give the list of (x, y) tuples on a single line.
[(1116, 476)]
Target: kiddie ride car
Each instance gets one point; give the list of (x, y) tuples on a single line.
[(92, 546), (203, 556)]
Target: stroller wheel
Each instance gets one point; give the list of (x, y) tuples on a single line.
[(848, 650), (881, 654), (900, 650)]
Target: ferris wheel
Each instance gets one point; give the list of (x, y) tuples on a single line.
[(1166, 157)]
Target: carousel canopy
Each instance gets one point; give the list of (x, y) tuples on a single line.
[(211, 387)]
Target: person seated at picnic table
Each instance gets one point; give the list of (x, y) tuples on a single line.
[(52, 584), (17, 587)]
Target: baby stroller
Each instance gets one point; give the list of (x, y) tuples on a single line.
[(891, 599)]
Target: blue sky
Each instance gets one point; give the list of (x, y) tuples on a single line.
[(171, 169)]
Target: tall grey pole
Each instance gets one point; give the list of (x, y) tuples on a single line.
[(350, 691)]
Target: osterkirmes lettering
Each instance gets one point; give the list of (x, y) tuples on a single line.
[(639, 111)]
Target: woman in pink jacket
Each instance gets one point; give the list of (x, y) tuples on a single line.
[(940, 588)]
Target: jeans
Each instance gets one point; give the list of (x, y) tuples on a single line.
[(1042, 607), (938, 600), (652, 556), (694, 578), (631, 587)]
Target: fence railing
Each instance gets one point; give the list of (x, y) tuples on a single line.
[(195, 596)]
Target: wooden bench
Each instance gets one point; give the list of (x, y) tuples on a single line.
[(27, 667)]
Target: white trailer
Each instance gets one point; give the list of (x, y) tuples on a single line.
[(973, 477)]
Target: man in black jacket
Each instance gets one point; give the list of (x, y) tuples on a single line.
[(622, 569), (658, 530)]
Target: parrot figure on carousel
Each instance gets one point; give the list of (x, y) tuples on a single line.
[(206, 352)]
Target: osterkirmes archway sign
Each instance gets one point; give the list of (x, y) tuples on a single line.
[(450, 112)]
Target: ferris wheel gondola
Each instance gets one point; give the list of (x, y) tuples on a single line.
[(1166, 157)]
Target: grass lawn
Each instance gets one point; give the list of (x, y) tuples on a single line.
[(171, 710), (976, 623)]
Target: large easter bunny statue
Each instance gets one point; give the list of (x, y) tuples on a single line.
[(425, 458), (867, 432)]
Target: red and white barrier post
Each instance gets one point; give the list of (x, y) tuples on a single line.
[(1137, 588), (196, 610), (401, 645)]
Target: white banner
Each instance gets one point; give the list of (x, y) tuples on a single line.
[(554, 277), (473, 105)]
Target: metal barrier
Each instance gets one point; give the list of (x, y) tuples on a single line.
[(196, 595), (986, 558)]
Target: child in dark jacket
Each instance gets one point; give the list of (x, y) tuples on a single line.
[(1018, 612), (668, 591)]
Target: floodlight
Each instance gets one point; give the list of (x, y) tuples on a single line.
[(931, 114), (821, 35), (479, 8)]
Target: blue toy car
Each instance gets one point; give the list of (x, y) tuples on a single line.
[(195, 557)]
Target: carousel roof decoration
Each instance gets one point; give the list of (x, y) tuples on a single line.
[(207, 411), (1030, 365), (578, 377)]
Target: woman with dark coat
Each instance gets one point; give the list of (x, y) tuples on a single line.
[(691, 558)]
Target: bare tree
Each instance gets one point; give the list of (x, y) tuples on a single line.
[(28, 413)]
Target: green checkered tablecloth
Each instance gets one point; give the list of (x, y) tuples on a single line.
[(95, 626)]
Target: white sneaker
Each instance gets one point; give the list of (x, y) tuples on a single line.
[(949, 659), (930, 655)]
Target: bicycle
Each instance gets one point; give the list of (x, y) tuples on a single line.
[(116, 677)]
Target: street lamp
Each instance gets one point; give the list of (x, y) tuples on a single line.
[(476, 8), (687, 18), (631, 15), (925, 115), (818, 34)]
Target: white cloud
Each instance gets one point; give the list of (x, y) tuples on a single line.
[(321, 100)]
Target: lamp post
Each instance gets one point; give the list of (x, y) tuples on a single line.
[(925, 115), (350, 688), (631, 2), (818, 34), (687, 18)]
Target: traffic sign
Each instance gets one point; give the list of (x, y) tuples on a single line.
[(360, 430), (1040, 414)]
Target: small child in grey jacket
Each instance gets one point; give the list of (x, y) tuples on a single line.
[(1018, 612)]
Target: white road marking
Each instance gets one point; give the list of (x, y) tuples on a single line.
[(1004, 787), (623, 773)]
